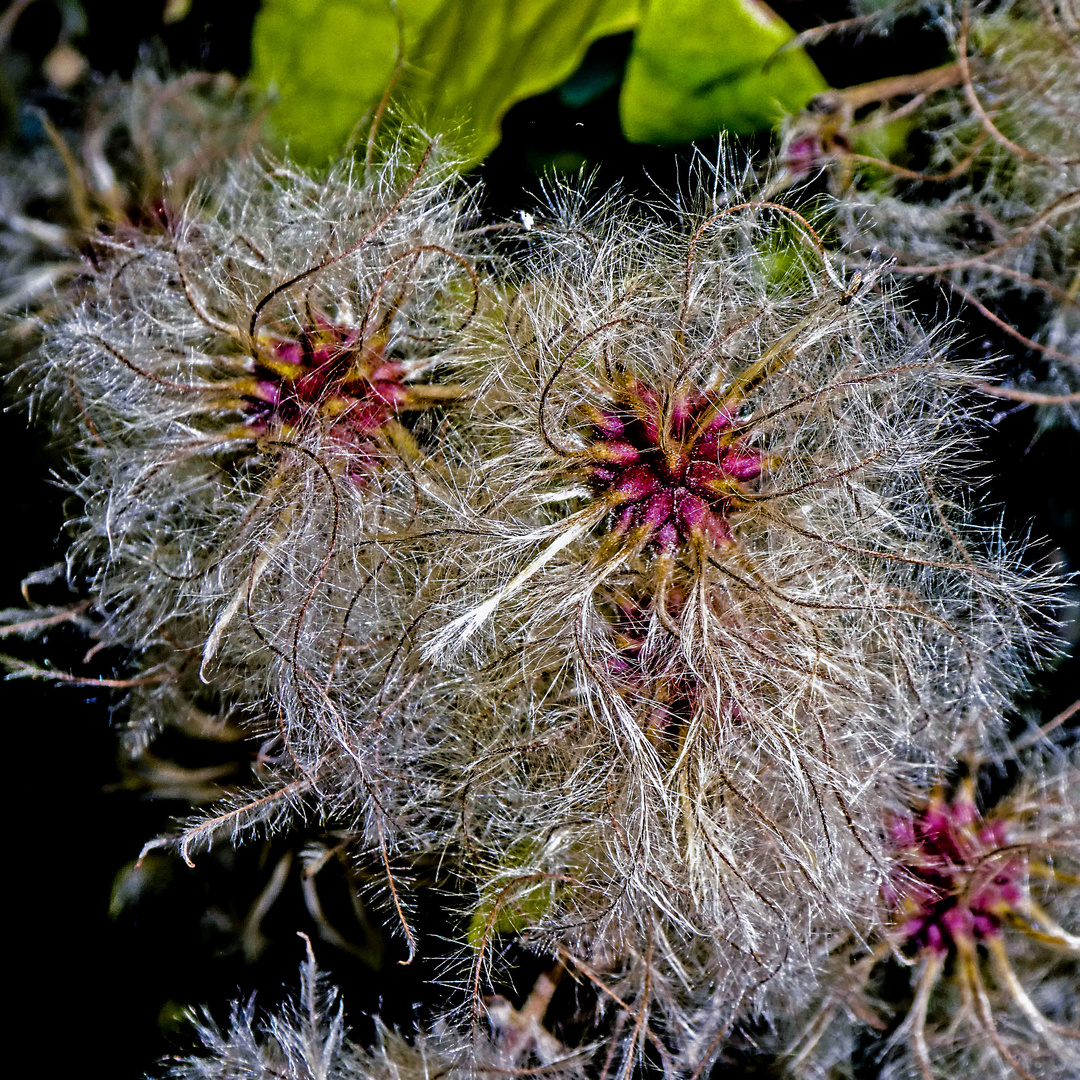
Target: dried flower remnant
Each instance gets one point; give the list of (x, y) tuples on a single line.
[(329, 374), (1004, 101), (143, 147), (342, 382), (951, 892), (969, 882), (991, 207)]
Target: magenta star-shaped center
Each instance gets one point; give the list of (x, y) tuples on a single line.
[(328, 377), (670, 470)]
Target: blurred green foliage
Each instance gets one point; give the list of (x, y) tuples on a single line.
[(696, 67), (887, 141)]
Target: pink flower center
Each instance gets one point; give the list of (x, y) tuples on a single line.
[(668, 478), (952, 886), (327, 379)]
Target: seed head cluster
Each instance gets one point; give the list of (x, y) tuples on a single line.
[(975, 919), (609, 579), (951, 891), (670, 484)]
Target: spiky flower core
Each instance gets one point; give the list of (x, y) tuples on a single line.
[(955, 887), (670, 465), (328, 373), (339, 380), (984, 906)]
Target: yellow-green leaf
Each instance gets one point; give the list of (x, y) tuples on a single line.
[(520, 903), (887, 141), (466, 61), (699, 67), (514, 912)]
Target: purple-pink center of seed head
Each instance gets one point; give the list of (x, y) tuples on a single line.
[(684, 486), (951, 885), (803, 156), (328, 378)]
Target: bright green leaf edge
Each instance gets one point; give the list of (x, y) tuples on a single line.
[(328, 62), (539, 44), (699, 67)]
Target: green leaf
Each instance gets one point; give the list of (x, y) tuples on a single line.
[(703, 66), (466, 61), (521, 903), (328, 62), (514, 914), (888, 141)]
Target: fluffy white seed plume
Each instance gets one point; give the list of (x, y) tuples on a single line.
[(254, 387), (256, 392), (693, 443), (308, 1040), (723, 600)]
